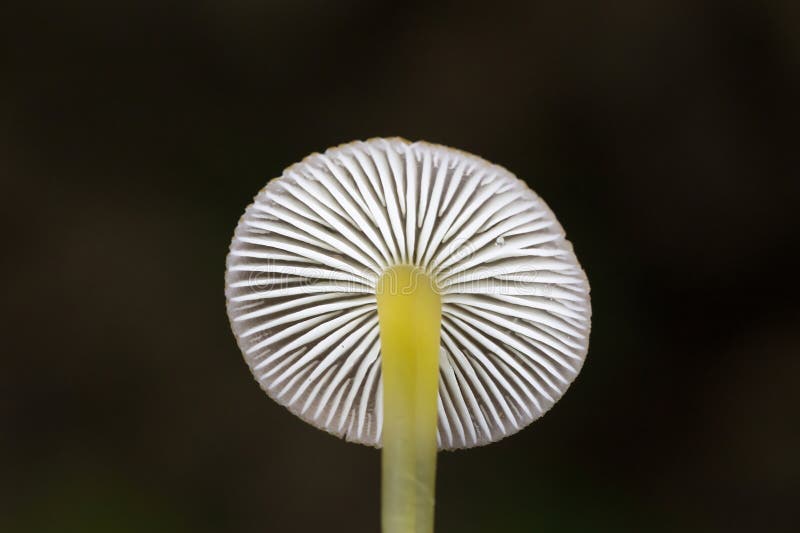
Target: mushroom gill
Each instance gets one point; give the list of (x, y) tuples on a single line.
[(308, 254)]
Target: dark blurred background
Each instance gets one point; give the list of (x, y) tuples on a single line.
[(663, 134)]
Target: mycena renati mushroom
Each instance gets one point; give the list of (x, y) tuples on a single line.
[(407, 296)]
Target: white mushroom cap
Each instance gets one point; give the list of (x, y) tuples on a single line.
[(306, 256)]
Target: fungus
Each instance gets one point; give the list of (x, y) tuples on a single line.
[(407, 296)]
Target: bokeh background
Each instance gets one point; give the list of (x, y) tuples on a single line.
[(664, 135)]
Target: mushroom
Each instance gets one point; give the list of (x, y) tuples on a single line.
[(408, 296)]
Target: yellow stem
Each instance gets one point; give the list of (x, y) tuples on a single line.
[(409, 313)]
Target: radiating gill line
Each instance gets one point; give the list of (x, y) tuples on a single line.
[(296, 232), (530, 315), (286, 305), (531, 352), (445, 223), (424, 191), (443, 424), (506, 267), (377, 213), (346, 185), (282, 364), (475, 410), (342, 288), (522, 204), (285, 333), (321, 381), (452, 186), (334, 406), (526, 390), (327, 335), (356, 207), (502, 354), (353, 242), (318, 182), (430, 215), (463, 364), (308, 312), (289, 246), (266, 282), (271, 254), (315, 234), (364, 367), (397, 168), (448, 373), (479, 208), (331, 357), (363, 405), (551, 347), (387, 186), (377, 413), (483, 248), (355, 355), (286, 198), (411, 204), (540, 303), (311, 273), (481, 365)]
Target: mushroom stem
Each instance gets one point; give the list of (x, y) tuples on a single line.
[(409, 313)]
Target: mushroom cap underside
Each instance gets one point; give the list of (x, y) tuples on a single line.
[(307, 254)]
